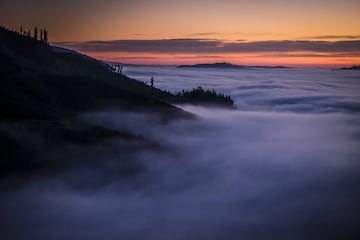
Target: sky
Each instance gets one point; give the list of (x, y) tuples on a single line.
[(272, 32)]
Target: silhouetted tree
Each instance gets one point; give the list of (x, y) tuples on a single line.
[(152, 81), (41, 35), (21, 30), (29, 33), (45, 36), (210, 96), (35, 33)]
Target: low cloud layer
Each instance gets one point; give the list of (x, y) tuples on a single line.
[(292, 90), (284, 165)]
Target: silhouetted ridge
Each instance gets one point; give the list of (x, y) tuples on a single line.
[(43, 90), (40, 82)]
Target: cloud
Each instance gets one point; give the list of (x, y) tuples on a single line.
[(202, 34), (212, 46), (327, 37), (295, 46), (226, 176), (151, 46), (307, 54), (284, 165)]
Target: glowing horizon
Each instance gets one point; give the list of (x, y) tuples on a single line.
[(151, 59), (192, 51)]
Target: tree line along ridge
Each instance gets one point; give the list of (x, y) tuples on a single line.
[(40, 34)]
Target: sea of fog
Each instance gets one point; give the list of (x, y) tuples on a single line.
[(284, 165)]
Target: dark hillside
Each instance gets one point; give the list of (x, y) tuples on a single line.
[(42, 93), (39, 82)]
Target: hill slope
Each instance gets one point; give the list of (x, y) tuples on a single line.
[(37, 82), (42, 93)]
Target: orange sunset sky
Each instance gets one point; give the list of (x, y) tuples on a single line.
[(253, 32)]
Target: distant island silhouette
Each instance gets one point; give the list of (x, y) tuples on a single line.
[(355, 67), (226, 65)]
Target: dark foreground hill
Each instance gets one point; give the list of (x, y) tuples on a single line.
[(42, 93), (37, 82)]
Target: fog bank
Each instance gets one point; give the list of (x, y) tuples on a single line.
[(268, 170)]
